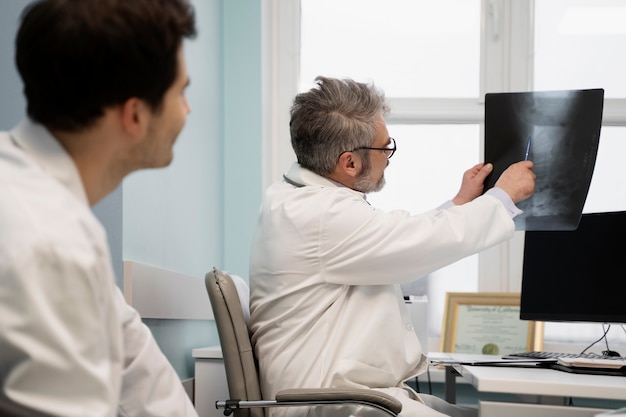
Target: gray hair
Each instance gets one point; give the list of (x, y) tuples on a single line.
[(335, 116)]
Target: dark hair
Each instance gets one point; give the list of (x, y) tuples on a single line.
[(335, 116), (78, 57)]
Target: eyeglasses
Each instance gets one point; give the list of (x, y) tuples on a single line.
[(389, 150)]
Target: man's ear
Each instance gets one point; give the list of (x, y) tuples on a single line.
[(135, 117), (349, 164), (347, 169)]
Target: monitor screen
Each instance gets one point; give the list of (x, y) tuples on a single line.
[(577, 275)]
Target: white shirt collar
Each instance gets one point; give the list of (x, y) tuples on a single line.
[(35, 140), (301, 177)]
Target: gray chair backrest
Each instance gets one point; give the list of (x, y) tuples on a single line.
[(241, 367)]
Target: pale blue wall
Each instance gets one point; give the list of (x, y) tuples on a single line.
[(242, 130), (200, 211), (12, 103), (172, 217)]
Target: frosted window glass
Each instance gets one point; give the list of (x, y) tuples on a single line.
[(579, 44), (609, 174), (412, 48), (425, 172), (428, 166)]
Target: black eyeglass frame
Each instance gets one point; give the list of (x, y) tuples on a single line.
[(391, 150)]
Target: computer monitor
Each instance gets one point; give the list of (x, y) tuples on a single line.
[(579, 275)]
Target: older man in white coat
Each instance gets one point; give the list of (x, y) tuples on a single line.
[(326, 266)]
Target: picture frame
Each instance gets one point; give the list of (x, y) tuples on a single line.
[(488, 323)]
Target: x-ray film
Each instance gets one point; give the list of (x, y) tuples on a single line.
[(560, 132)]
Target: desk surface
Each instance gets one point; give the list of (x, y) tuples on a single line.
[(538, 381)]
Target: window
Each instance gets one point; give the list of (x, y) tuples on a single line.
[(435, 61), (410, 48), (574, 48), (575, 45)]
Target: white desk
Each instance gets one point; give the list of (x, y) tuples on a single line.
[(542, 392), (211, 382)]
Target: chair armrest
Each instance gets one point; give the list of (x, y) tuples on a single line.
[(340, 394)]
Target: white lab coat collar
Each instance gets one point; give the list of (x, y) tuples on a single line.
[(45, 149), (301, 177)]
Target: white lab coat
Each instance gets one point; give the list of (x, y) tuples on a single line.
[(69, 343), (325, 269)]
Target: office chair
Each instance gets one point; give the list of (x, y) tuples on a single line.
[(241, 366)]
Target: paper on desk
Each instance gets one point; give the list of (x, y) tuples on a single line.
[(614, 413), (449, 359)]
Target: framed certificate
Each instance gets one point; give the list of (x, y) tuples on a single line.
[(488, 323)]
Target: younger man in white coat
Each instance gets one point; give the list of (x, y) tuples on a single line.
[(326, 267), (104, 82)]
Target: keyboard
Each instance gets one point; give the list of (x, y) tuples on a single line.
[(557, 355)]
